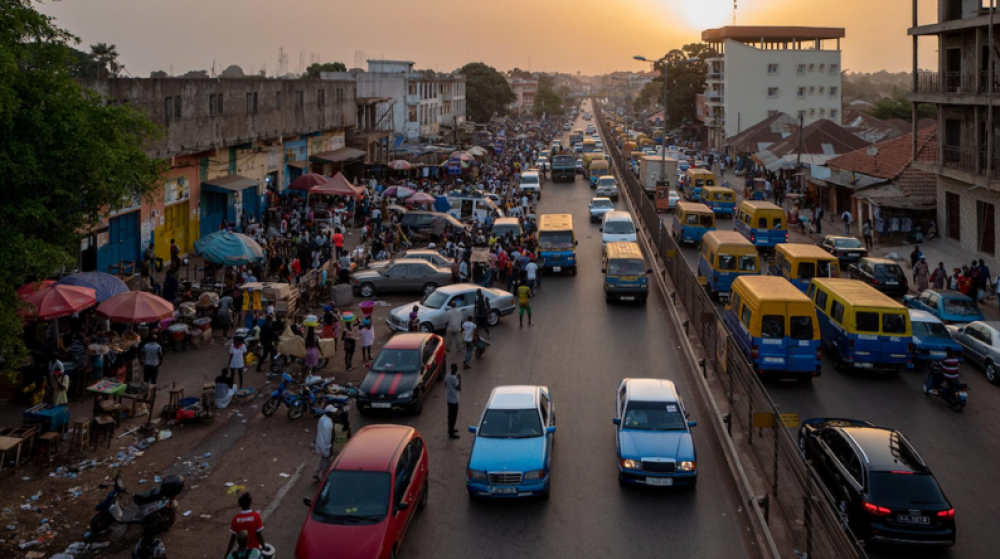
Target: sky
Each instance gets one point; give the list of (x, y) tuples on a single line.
[(587, 36)]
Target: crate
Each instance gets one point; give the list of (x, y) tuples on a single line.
[(342, 295)]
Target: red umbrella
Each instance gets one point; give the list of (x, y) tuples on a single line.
[(34, 286), (307, 181), (136, 306), (420, 198), (58, 301)]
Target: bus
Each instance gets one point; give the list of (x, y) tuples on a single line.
[(557, 242), (799, 263), (762, 223), (725, 256)]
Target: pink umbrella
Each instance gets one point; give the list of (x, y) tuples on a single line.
[(420, 198), (399, 165), (136, 306), (397, 192), (58, 301), (34, 286), (307, 181)]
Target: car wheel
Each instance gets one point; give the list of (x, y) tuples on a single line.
[(621, 479), (423, 498), (367, 290), (493, 318), (992, 374), (418, 398), (545, 493), (427, 327), (429, 288)]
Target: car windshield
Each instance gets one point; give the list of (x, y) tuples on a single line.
[(930, 330), (555, 239), (602, 204), (888, 270), (606, 181), (392, 360), (847, 243), (905, 489), (962, 307), (352, 498), (654, 416), (435, 300), (626, 268), (619, 228), (510, 424)]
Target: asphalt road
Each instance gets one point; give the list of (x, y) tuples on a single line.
[(961, 449), (580, 347)]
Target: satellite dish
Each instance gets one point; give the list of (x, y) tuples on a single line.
[(872, 151)]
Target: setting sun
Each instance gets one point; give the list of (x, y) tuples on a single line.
[(704, 15)]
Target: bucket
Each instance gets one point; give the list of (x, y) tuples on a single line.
[(367, 308), (267, 552)]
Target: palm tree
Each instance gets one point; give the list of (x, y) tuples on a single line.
[(107, 57)]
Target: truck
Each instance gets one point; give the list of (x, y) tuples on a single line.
[(652, 169), (563, 168)]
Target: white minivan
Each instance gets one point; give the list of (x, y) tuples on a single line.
[(617, 227), (531, 184)]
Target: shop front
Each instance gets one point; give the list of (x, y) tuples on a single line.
[(296, 161), (228, 199), (121, 241)]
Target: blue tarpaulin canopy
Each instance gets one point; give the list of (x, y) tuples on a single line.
[(229, 249), (105, 286), (441, 203)]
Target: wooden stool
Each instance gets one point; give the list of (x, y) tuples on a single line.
[(104, 426), (81, 435), (176, 397), (111, 409), (48, 446)]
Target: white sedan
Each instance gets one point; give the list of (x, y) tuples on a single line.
[(543, 164)]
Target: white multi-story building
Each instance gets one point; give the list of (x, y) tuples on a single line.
[(524, 90), (421, 102), (762, 70)]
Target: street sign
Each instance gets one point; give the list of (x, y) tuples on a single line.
[(766, 420), (790, 420)]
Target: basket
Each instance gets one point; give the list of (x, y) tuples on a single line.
[(367, 308), (244, 395)]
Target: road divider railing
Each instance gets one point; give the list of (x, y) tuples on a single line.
[(813, 526)]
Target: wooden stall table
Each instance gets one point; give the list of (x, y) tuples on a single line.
[(148, 397), (107, 397), (13, 441)]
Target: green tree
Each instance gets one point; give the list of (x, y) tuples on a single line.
[(158, 74), (685, 80), (315, 69), (899, 106), (107, 56), (232, 71), (519, 73), (547, 101), (66, 156), (486, 92)]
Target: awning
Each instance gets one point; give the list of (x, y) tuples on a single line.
[(892, 196), (338, 156), (299, 164), (229, 183)]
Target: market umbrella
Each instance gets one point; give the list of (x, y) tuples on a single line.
[(229, 249), (420, 198), (58, 301), (307, 181), (397, 192), (34, 286), (476, 150), (104, 285), (396, 208), (400, 165), (136, 306)]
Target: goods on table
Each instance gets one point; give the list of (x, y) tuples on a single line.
[(187, 309), (208, 298)]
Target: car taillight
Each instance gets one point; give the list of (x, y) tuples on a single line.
[(950, 513), (819, 354), (874, 281), (910, 347), (755, 352), (753, 238), (851, 344), (876, 510)]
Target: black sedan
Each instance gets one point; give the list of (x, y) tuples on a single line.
[(882, 489), (848, 250), (403, 372), (882, 274)]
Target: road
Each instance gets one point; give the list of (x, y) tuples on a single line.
[(961, 449), (581, 348)]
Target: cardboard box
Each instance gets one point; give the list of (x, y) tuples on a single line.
[(277, 291), (206, 336)]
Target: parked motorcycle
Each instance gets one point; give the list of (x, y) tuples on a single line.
[(317, 399), (155, 507), (283, 394), (955, 395)]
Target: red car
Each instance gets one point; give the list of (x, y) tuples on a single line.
[(368, 498), (402, 374)]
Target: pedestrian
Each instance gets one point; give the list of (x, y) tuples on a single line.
[(848, 219), (268, 339), (524, 304), (939, 278), (349, 344), (453, 382), (469, 337), (242, 551), (866, 233), (920, 274), (996, 286), (59, 381), (338, 243), (236, 353), (482, 310), (175, 256), (413, 325), (312, 350), (531, 268), (152, 358), (324, 442), (984, 279), (453, 327), (819, 220), (250, 522), (367, 340), (225, 314)]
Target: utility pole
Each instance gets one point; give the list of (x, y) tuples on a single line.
[(798, 156)]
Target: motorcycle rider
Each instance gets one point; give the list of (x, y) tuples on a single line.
[(948, 368)]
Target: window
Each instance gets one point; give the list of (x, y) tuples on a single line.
[(801, 92), (953, 216), (277, 100), (807, 270), (413, 89), (168, 108), (801, 327), (800, 69), (321, 97), (837, 312), (822, 89), (746, 316), (812, 90), (736, 299), (821, 298), (772, 92), (867, 322), (834, 68), (772, 326), (772, 69), (822, 67), (822, 112), (218, 102), (985, 229), (833, 113), (812, 67), (413, 114), (833, 90), (251, 103), (812, 113), (299, 99), (177, 107), (802, 114), (544, 408), (893, 323), (761, 223), (211, 104)]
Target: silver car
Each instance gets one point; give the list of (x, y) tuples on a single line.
[(431, 310), (432, 256), (404, 274), (607, 187), (981, 341)]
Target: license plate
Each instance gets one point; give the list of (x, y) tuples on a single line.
[(660, 481), (774, 360), (557, 268), (937, 354), (628, 298), (910, 519), (382, 405), (963, 394), (863, 365), (503, 490), (892, 283)]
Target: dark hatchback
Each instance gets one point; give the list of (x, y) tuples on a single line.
[(882, 274), (881, 487), (848, 250)]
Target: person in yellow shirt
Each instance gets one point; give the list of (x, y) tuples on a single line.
[(524, 303)]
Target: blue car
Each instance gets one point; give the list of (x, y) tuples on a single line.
[(512, 450), (948, 306), (653, 435), (931, 339)]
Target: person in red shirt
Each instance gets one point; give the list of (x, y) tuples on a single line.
[(249, 521), (338, 242)]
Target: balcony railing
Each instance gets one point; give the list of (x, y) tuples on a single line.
[(976, 83), (713, 76), (965, 160)]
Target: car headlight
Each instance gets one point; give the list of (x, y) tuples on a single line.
[(406, 395), (687, 466), (609, 285), (362, 394), (475, 475), (631, 464), (534, 474)]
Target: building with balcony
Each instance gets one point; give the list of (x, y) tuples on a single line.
[(768, 70), (524, 90), (964, 90)]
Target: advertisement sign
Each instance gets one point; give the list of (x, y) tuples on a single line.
[(454, 166), (176, 190), (336, 142)]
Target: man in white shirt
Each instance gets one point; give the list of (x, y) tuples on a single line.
[(324, 442), (469, 337), (532, 270), (453, 328)]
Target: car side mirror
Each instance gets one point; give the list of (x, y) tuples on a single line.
[(472, 429), (616, 421), (308, 502), (649, 270), (403, 505), (550, 430), (692, 423)]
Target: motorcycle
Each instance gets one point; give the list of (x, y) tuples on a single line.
[(281, 395), (155, 507), (320, 393), (955, 395)]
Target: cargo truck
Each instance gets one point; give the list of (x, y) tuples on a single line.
[(652, 169)]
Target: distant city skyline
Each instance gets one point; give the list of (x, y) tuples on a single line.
[(590, 36)]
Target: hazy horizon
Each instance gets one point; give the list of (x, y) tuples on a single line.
[(589, 36)]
